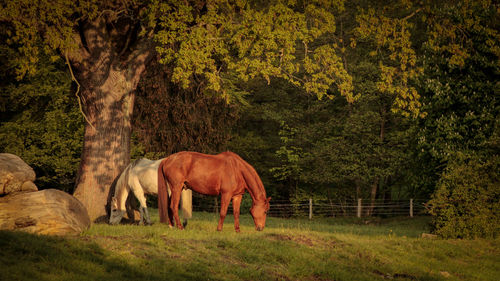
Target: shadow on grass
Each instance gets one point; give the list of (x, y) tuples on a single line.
[(37, 257)]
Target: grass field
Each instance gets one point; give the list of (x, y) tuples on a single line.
[(287, 249)]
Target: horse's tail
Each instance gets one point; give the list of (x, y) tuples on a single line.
[(162, 195)]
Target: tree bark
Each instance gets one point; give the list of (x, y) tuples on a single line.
[(373, 196), (106, 149), (108, 77), (375, 184)]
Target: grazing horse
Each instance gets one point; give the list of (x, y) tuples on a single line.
[(225, 174), (141, 177)]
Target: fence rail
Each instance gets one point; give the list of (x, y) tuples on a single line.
[(324, 208)]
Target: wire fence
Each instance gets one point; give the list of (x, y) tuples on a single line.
[(322, 208)]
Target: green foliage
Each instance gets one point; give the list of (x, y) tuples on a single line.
[(42, 27), (42, 125), (467, 201), (302, 145), (231, 43), (391, 45), (288, 154), (456, 144), (454, 29)]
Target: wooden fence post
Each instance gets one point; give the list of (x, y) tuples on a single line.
[(359, 207), (310, 208), (411, 208)]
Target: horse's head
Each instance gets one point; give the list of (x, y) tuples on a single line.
[(116, 215), (114, 203), (259, 213)]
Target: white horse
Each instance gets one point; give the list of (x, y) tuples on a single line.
[(141, 177)]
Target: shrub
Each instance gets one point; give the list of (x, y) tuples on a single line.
[(466, 203)]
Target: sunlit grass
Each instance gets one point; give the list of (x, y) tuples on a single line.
[(287, 249)]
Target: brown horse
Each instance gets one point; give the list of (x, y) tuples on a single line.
[(225, 174)]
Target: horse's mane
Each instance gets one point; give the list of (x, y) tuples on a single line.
[(135, 162), (250, 176), (122, 181)]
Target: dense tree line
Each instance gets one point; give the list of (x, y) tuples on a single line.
[(362, 99)]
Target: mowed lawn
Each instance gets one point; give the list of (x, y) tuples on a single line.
[(287, 249)]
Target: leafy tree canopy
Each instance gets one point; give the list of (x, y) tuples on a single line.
[(219, 45)]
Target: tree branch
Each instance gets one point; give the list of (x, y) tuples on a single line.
[(77, 90), (79, 53), (139, 57), (412, 14), (127, 42)]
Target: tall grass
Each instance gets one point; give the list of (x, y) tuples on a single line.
[(287, 249)]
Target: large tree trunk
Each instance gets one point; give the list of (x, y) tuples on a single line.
[(108, 71), (106, 147)]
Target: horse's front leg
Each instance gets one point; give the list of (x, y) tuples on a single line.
[(236, 211), (139, 194), (224, 204), (174, 205), (131, 207), (145, 219)]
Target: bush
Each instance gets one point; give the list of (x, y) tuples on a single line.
[(466, 203), (42, 124)]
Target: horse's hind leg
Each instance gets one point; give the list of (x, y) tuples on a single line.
[(174, 203), (236, 211), (170, 214), (224, 204)]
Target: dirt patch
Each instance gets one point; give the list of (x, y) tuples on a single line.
[(319, 278), (299, 239), (279, 276), (304, 241), (395, 276), (309, 241), (168, 240), (109, 237)]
